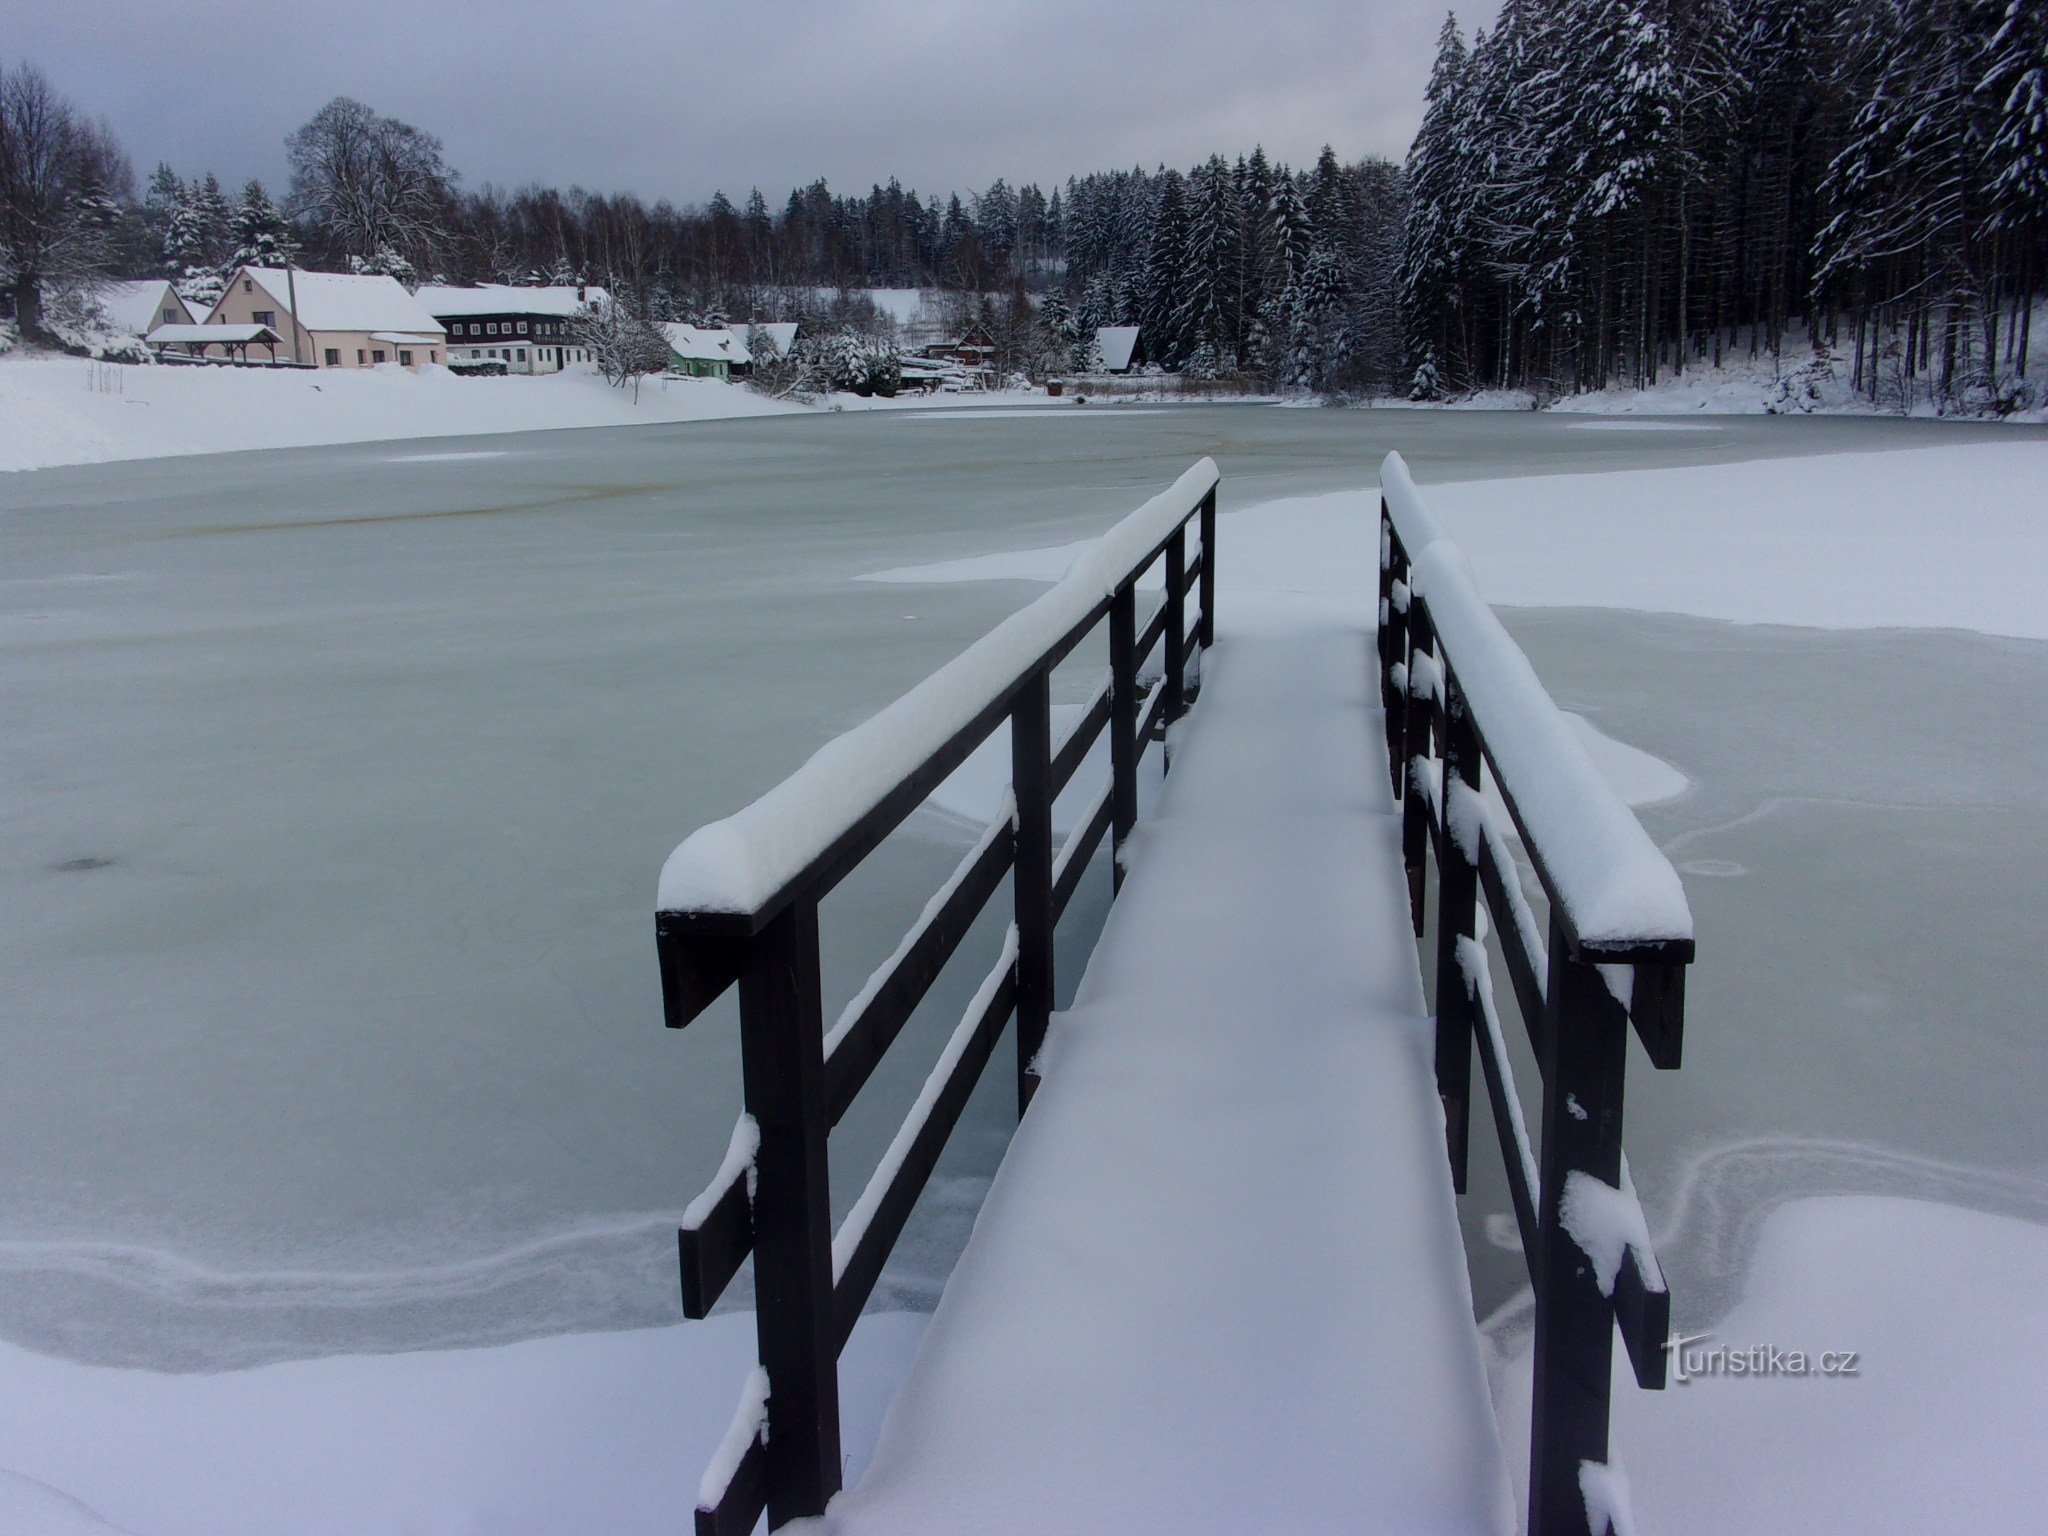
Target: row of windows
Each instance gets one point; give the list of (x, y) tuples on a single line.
[(518, 354), (365, 355), (505, 328)]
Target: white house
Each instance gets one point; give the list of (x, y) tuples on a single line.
[(781, 332), (529, 330), (334, 319), (140, 306)]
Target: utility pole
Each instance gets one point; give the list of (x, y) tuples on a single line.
[(291, 292)]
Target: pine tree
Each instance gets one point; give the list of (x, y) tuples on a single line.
[(1430, 294), (212, 220), (1210, 314), (1162, 313), (263, 238)]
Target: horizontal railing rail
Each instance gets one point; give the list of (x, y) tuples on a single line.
[(739, 906), (1463, 706)]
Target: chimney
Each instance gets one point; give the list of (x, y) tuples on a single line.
[(580, 299)]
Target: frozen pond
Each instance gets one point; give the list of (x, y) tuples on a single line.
[(335, 783)]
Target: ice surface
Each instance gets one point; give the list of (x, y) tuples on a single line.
[(372, 761), (846, 1241)]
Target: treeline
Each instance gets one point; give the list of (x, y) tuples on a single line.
[(1602, 192), (1610, 191)]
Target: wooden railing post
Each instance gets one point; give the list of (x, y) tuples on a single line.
[(1208, 585), (1456, 918), (1124, 745), (782, 1043), (1585, 1041), (1396, 654), (1031, 779), (1416, 712), (1176, 643)]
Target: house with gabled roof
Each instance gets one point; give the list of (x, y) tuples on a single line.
[(529, 330), (139, 306), (705, 352), (334, 319)]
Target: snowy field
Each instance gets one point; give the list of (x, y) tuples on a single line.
[(53, 414), (331, 1015)]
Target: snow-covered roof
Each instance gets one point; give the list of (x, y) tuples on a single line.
[(447, 303), (781, 332), (211, 335), (405, 339), (344, 301), (702, 344), (138, 306), (1117, 344)]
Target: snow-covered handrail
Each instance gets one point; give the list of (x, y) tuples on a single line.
[(1615, 888), (739, 904), (751, 859), (1463, 704)]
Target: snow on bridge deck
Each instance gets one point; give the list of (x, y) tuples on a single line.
[(1218, 1283)]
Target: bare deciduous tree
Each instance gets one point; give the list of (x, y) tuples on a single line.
[(368, 184), (58, 175)]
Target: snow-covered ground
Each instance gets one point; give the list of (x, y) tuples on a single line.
[(65, 411), (1740, 386), (593, 1432)]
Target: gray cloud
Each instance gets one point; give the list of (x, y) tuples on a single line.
[(676, 98)]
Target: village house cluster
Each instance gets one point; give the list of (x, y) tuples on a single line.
[(289, 317)]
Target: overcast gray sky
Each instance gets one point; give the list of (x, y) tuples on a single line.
[(676, 98)]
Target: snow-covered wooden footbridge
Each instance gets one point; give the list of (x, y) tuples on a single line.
[(1218, 1282)]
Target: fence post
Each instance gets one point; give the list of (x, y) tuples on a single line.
[(1208, 619), (1457, 886), (1584, 1052), (1176, 629), (783, 1067), (1415, 720), (1031, 778), (1124, 745), (1397, 649)]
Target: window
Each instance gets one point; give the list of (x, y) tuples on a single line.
[(522, 354), (170, 317), (360, 359), (433, 357), (265, 317), (522, 327), (404, 358), (333, 357), (492, 327), (377, 355), (247, 286)]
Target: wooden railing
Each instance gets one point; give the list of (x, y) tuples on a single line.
[(739, 907), (1461, 700)]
